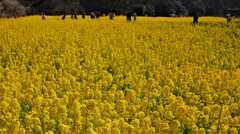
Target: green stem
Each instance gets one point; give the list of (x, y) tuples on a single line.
[(85, 129), (146, 112), (219, 119)]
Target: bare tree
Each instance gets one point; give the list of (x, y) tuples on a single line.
[(11, 8)]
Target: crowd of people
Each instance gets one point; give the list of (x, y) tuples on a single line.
[(111, 15), (195, 18), (94, 15)]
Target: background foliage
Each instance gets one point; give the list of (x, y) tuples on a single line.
[(142, 7)]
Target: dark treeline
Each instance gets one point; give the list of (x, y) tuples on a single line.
[(10, 8)]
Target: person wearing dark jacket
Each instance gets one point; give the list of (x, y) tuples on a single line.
[(195, 19), (128, 16), (64, 16), (83, 14)]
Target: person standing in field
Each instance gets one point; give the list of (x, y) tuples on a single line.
[(92, 15), (98, 14), (44, 16), (135, 16), (64, 16), (195, 19), (75, 16), (229, 18), (111, 16), (83, 14), (128, 15)]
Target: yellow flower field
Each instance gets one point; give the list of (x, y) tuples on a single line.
[(152, 76)]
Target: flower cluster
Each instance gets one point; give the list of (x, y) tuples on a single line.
[(156, 76)]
